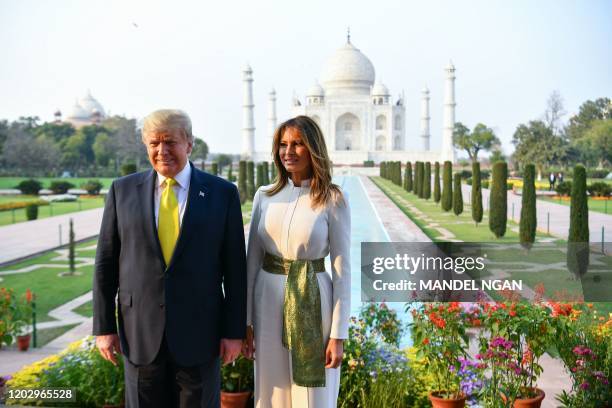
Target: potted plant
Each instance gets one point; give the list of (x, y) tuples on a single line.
[(438, 330), (236, 383), (516, 335), (22, 317)]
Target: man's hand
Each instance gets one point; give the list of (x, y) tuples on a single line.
[(109, 347), (334, 352), (229, 350), (248, 344)]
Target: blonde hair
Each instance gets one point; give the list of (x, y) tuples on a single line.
[(163, 120), (322, 190)]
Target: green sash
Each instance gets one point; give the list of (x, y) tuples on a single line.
[(302, 321)]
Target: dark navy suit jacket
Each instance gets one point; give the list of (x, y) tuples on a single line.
[(196, 300)]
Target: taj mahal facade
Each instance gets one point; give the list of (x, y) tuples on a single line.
[(359, 118)]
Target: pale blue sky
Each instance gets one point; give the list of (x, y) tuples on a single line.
[(509, 57)]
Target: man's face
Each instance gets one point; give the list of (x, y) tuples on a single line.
[(168, 151)]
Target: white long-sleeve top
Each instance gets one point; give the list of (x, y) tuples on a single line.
[(286, 225)]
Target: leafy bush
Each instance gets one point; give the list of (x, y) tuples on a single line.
[(485, 183), (31, 211), (60, 187), (465, 174), (368, 163), (128, 168), (509, 186), (15, 205), (564, 189), (30, 186), (468, 181), (599, 189), (598, 173), (238, 376), (92, 187), (80, 366)]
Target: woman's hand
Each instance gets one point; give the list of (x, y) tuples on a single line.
[(334, 353), (248, 346)]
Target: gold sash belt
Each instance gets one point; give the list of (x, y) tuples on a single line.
[(302, 321)]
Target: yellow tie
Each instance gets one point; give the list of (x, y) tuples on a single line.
[(168, 225)]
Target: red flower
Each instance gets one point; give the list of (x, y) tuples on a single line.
[(425, 341), (28, 295)]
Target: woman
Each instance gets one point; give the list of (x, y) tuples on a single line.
[(299, 314)]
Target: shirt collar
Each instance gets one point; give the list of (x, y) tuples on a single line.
[(304, 183), (182, 178)]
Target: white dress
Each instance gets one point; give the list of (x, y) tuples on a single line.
[(285, 225)]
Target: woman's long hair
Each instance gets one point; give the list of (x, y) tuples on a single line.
[(322, 190)]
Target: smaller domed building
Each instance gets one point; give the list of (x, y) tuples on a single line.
[(85, 111)]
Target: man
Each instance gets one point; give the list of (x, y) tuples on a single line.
[(551, 181), (171, 249)]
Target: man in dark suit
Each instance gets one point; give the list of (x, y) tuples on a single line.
[(171, 250)]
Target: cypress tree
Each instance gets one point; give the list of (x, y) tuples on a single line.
[(214, 168), (382, 169), (398, 173), (266, 171), (457, 195), (427, 179), (405, 179), (498, 202), (273, 171), (203, 166), (578, 238), (71, 249), (242, 184), (250, 180), (476, 194), (436, 193), (528, 223), (447, 186), (229, 173), (260, 175), (409, 182), (415, 183), (419, 179)]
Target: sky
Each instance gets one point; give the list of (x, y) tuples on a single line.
[(138, 56)]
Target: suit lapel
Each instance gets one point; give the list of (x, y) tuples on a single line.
[(197, 200), (147, 197)]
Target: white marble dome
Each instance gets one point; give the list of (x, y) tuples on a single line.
[(380, 89), (348, 71), (315, 90), (78, 112), (91, 105)]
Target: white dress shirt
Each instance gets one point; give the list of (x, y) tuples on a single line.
[(181, 190)]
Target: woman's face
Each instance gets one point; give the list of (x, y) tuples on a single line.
[(294, 154)]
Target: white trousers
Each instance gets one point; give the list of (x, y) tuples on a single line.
[(274, 386)]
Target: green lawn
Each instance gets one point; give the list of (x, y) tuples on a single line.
[(12, 216), (45, 336), (602, 206), (11, 182), (86, 309)]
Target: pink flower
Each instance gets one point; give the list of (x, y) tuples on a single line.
[(584, 385)]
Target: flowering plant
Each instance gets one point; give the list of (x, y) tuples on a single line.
[(22, 313), (438, 331), (237, 376), (516, 335)]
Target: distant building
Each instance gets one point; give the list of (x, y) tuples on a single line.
[(85, 111)]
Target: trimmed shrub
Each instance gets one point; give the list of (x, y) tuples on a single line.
[(409, 181), (30, 186), (71, 248), (382, 169), (60, 187), (417, 179), (242, 184), (457, 195), (447, 186), (266, 170), (368, 163), (485, 183), (31, 211), (599, 189), (465, 174), (427, 181), (128, 168), (564, 189), (214, 168), (250, 187), (421, 170), (578, 238), (92, 187), (273, 172), (528, 223), (230, 175), (476, 194), (260, 175), (436, 189), (498, 202), (598, 173)]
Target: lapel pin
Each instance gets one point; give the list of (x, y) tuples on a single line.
[(202, 194)]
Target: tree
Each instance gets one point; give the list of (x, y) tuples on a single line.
[(578, 238), (596, 143), (71, 249), (496, 155), (436, 193), (200, 149), (250, 180), (25, 154), (266, 173), (590, 111), (130, 147), (457, 195), (273, 171), (223, 160), (477, 212), (408, 178), (481, 138), (398, 173), (242, 183), (421, 186), (260, 176), (528, 223), (104, 149), (498, 200), (128, 168), (554, 112), (58, 132), (535, 143), (447, 186), (230, 176), (214, 168), (427, 181)]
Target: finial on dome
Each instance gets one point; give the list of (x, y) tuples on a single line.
[(348, 35)]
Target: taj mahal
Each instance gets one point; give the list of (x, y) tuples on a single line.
[(359, 118)]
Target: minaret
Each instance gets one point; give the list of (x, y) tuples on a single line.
[(448, 151), (271, 120), (248, 125), (425, 118)]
